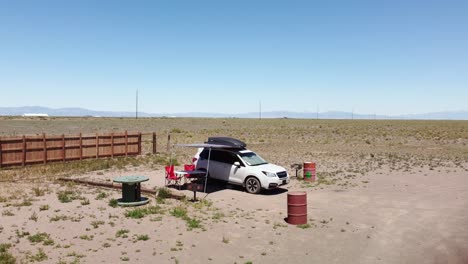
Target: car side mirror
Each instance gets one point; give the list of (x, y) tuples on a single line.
[(237, 164)]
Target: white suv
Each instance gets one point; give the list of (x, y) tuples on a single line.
[(242, 167)]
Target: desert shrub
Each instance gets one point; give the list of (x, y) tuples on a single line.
[(136, 213), (113, 202), (5, 256), (163, 193), (179, 212)]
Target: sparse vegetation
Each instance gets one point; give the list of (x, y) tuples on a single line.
[(39, 191), (142, 237), (44, 207), (87, 237), (41, 237), (345, 153), (68, 196), (39, 256), (85, 201), (101, 196), (33, 217), (122, 233), (96, 224), (113, 202), (5, 256), (162, 194)]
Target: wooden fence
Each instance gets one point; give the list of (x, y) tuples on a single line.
[(27, 150)]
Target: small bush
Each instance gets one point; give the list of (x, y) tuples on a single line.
[(101, 196), (85, 201), (193, 223), (142, 237), (5, 256), (179, 212), (163, 193), (58, 218), (33, 217), (113, 202), (39, 237), (40, 256), (122, 233), (136, 213), (96, 224), (304, 226), (38, 191), (63, 197), (7, 213), (86, 237)]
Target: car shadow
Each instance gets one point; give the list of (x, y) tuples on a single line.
[(276, 191), (214, 185)]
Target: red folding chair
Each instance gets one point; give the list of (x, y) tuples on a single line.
[(189, 167), (171, 177)]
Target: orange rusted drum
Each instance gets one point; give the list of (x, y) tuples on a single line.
[(309, 171), (297, 208)]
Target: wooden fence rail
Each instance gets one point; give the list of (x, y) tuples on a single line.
[(26, 150)]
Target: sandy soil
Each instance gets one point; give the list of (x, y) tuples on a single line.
[(383, 216)]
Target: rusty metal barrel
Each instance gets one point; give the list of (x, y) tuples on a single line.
[(309, 171), (297, 208)]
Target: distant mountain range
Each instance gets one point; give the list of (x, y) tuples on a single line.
[(18, 111)]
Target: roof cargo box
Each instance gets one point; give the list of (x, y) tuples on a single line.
[(235, 143)]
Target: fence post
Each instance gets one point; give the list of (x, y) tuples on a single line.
[(168, 142), (154, 142), (112, 144), (81, 146), (126, 143), (1, 158), (44, 141), (24, 151), (63, 147), (97, 145), (139, 143)]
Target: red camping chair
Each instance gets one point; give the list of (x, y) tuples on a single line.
[(171, 177), (189, 167)]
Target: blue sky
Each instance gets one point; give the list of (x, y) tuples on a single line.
[(383, 57)]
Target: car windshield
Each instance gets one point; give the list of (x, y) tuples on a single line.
[(252, 159)]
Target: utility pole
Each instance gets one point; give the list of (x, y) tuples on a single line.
[(260, 110), (352, 114), (318, 112), (136, 105)]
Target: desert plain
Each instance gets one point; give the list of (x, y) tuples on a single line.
[(387, 191)]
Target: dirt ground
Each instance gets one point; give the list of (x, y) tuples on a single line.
[(387, 192), (390, 217)]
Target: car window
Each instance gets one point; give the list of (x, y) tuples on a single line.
[(220, 156), (252, 159), (215, 155), (204, 154)]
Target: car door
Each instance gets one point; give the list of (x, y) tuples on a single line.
[(216, 164), (238, 173), (222, 165)]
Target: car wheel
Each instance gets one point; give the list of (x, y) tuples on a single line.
[(252, 185)]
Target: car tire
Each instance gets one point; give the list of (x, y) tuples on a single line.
[(252, 185)]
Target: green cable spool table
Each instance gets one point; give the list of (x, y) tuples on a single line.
[(131, 190)]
